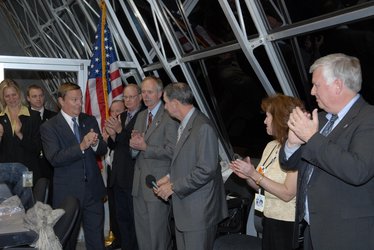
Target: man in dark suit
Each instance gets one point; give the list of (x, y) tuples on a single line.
[(72, 141), (35, 97), (153, 139), (334, 149), (195, 181), (116, 109), (122, 174)]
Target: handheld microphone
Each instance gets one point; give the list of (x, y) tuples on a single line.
[(150, 181)]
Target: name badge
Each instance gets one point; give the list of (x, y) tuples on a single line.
[(259, 202), (27, 179)]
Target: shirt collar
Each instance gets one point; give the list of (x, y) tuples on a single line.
[(68, 118), (23, 111), (41, 111), (187, 118), (155, 109), (344, 110)]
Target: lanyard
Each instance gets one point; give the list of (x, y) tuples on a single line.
[(265, 164)]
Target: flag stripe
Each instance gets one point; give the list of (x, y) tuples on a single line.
[(104, 80)]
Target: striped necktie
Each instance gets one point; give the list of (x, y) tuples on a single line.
[(150, 119), (76, 129), (330, 124)]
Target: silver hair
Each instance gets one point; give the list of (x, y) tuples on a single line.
[(340, 66)]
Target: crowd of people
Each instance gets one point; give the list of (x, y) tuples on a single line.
[(163, 163)]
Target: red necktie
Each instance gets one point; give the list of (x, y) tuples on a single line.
[(150, 116)]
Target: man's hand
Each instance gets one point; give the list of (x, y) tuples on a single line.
[(163, 180), (90, 139), (165, 188), (301, 124), (137, 141), (115, 124), (293, 140)]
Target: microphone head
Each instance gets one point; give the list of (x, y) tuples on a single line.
[(149, 180)]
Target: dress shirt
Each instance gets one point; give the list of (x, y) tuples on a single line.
[(69, 120), (41, 111)]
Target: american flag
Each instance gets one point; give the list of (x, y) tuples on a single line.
[(104, 81)]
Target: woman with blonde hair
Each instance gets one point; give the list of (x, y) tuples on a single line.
[(19, 129)]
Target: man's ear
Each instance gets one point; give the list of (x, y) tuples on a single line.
[(60, 101), (338, 86)]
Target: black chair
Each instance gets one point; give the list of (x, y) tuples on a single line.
[(231, 232), (41, 190), (65, 224)]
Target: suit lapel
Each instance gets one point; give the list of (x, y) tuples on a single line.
[(185, 134), (342, 125), (156, 121), (64, 127), (133, 119), (347, 120)]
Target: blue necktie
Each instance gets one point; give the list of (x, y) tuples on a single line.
[(76, 129), (309, 169), (128, 119), (330, 124)]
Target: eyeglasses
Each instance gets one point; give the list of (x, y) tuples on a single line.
[(130, 97)]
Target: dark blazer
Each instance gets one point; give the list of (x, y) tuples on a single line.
[(45, 167), (27, 150), (302, 181), (71, 165), (199, 198), (48, 114), (340, 191), (123, 164)]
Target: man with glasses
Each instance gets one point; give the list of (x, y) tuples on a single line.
[(119, 129)]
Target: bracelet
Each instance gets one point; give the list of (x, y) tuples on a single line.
[(259, 180)]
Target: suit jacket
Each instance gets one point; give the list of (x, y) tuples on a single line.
[(123, 164), (48, 114), (155, 160), (71, 165), (45, 167), (27, 150), (340, 191), (199, 197)]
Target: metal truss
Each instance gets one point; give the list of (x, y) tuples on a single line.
[(66, 29)]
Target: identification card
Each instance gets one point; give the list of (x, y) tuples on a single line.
[(259, 202), (27, 179)]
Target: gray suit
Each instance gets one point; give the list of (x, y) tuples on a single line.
[(151, 213), (341, 189), (198, 201)]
